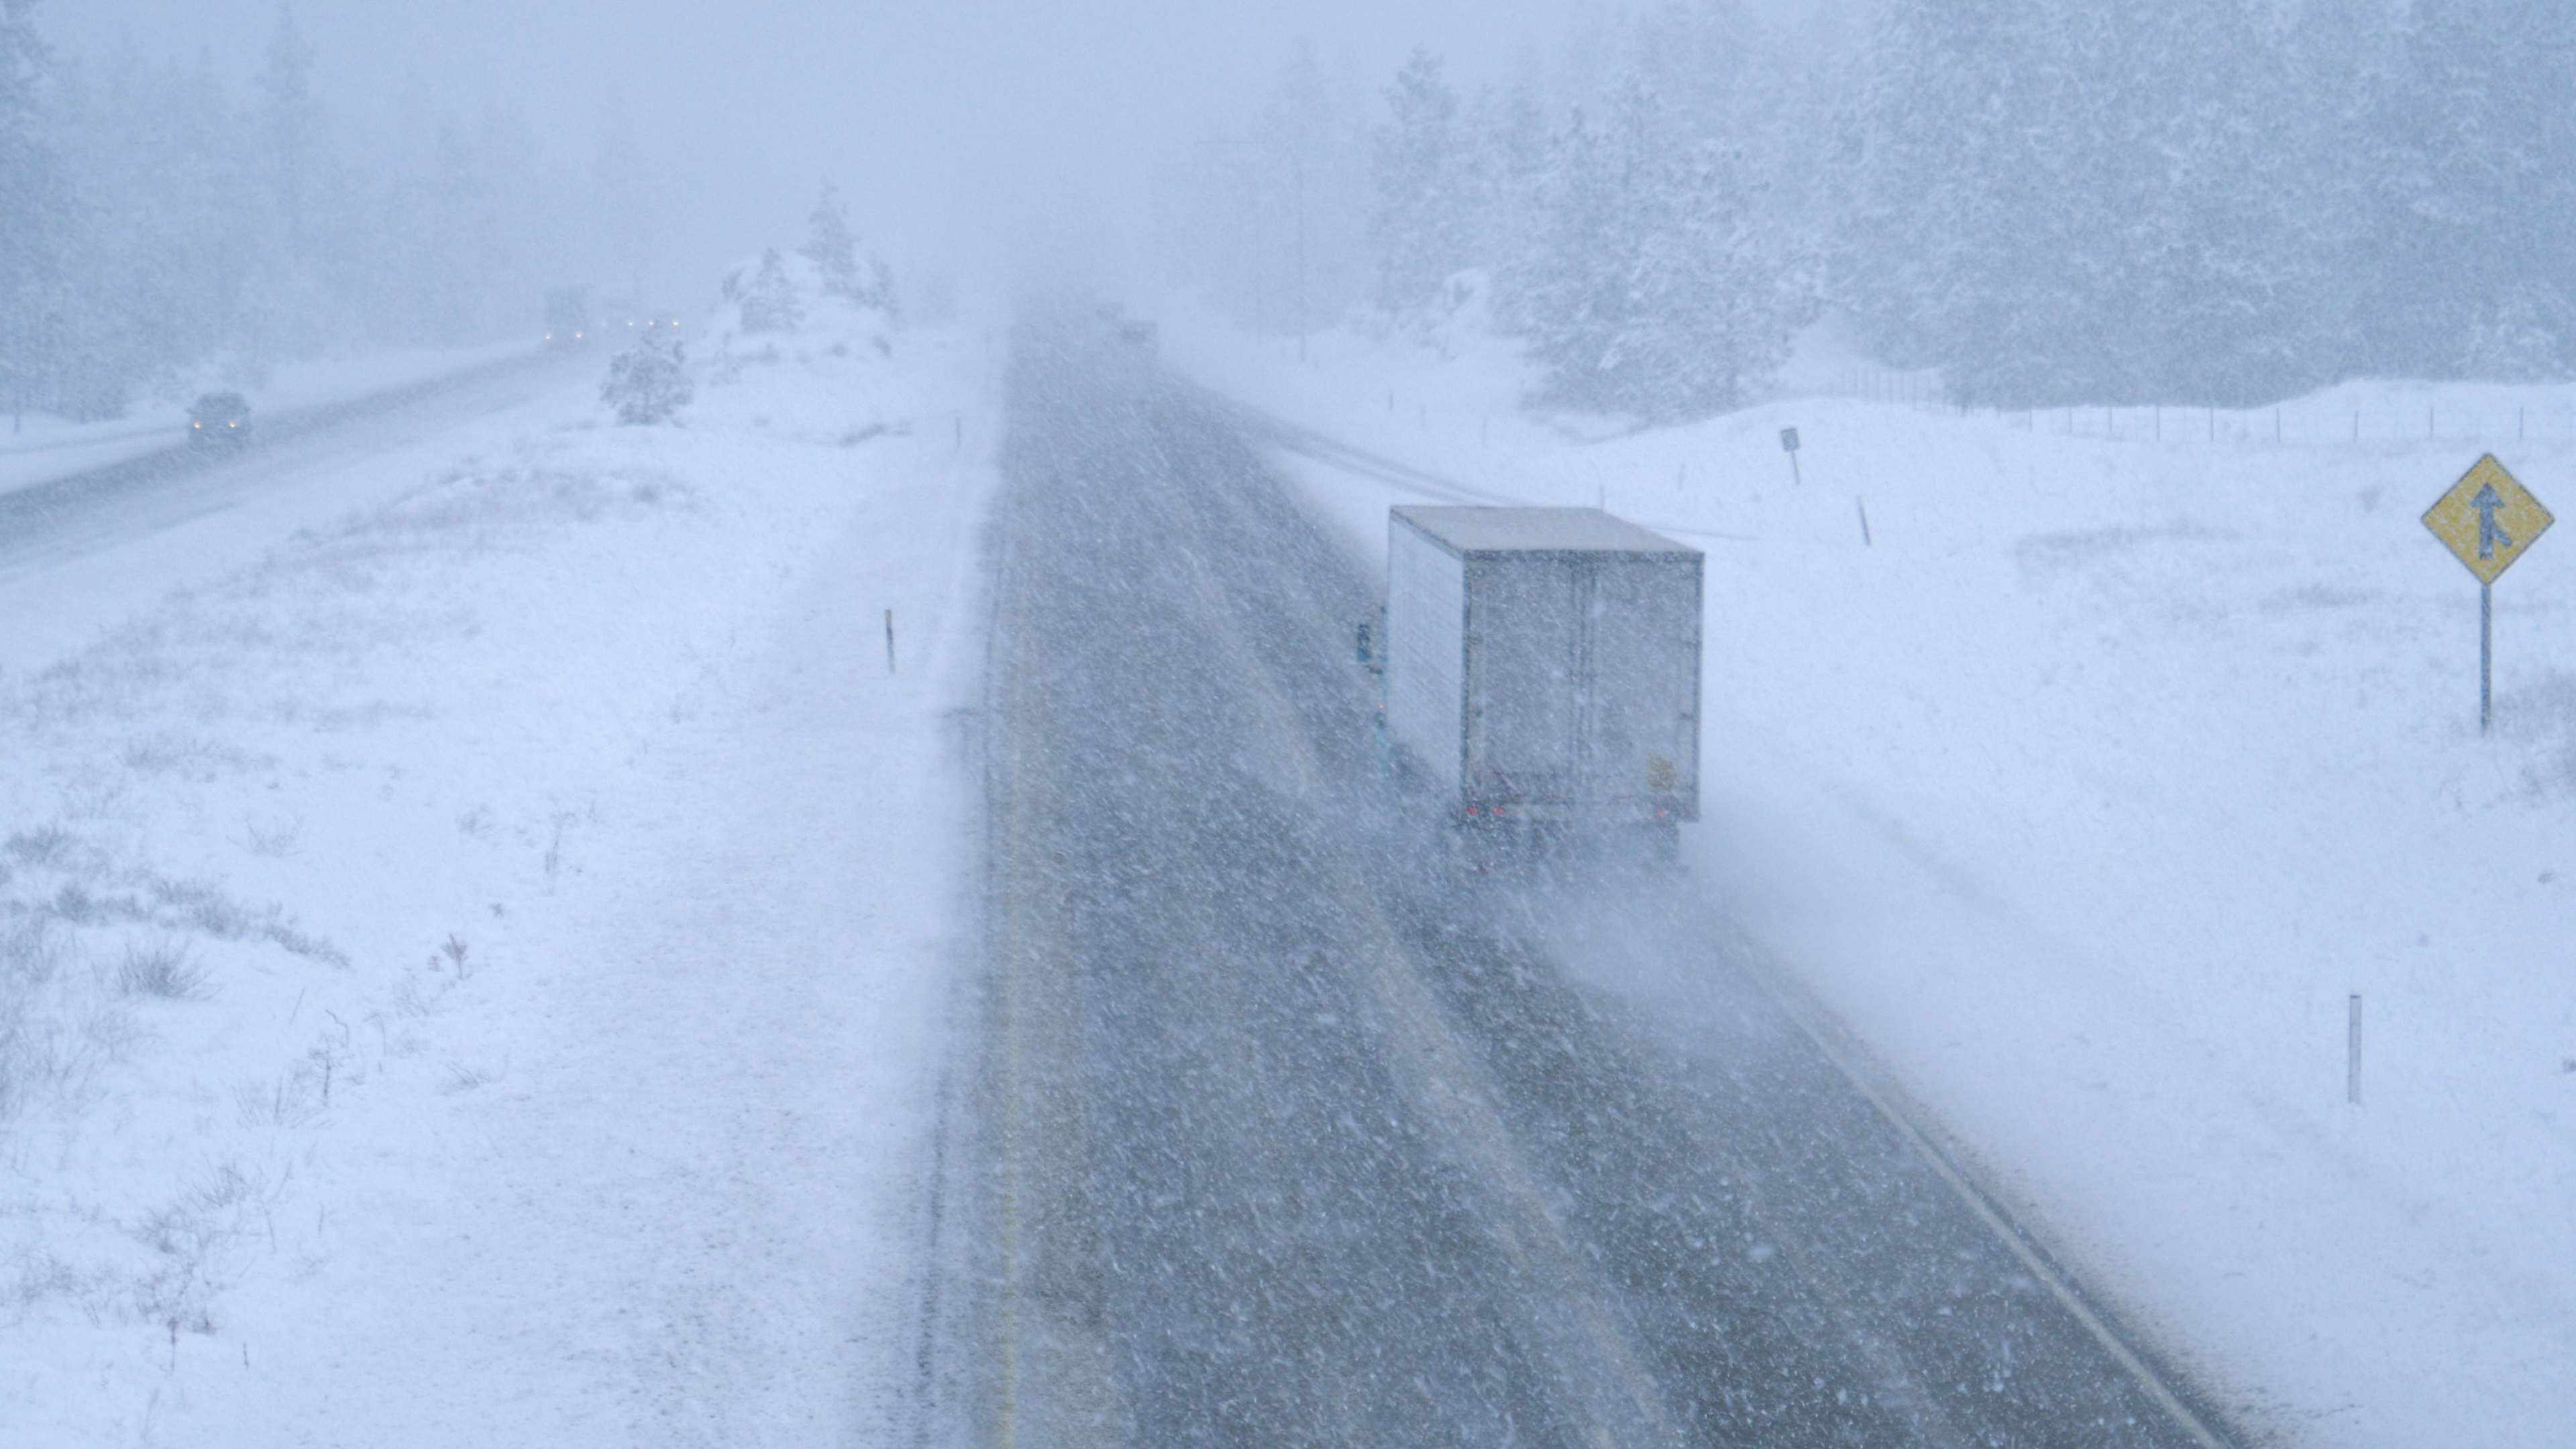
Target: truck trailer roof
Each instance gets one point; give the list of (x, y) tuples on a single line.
[(1471, 531)]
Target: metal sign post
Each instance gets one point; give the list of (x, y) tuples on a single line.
[(2487, 519), (1789, 445)]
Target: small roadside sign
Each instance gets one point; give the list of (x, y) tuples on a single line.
[(2486, 520), (1789, 445)]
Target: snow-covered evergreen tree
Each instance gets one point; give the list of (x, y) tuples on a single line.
[(1954, 200), (2097, 201), (149, 225), (1423, 218), (1655, 292), (35, 220), (2476, 216), (649, 382), (287, 123), (1507, 149), (768, 300), (1267, 208), (832, 247)]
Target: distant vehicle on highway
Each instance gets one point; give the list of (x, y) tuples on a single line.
[(624, 322), (1541, 669), (219, 419), (567, 318)]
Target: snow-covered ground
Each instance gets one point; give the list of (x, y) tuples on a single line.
[(2089, 787), (475, 933), (475, 970), (37, 447)]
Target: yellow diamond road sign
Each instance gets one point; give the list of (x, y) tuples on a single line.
[(2488, 519)]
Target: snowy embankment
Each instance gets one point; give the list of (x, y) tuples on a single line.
[(2090, 787), (476, 972), (36, 447)]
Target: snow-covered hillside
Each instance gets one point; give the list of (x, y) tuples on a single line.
[(475, 971), (2085, 765)]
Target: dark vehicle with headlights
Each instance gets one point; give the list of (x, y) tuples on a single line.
[(567, 318), (219, 419)]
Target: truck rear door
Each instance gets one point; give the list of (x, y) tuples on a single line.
[(1524, 712), (1642, 750)]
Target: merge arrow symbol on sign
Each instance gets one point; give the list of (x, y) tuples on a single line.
[(2486, 503)]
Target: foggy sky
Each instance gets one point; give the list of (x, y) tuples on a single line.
[(956, 126)]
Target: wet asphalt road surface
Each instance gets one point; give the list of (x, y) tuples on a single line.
[(1288, 1133)]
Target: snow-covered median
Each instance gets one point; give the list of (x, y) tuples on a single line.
[(479, 975), (2089, 785)]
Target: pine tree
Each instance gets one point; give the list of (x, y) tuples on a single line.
[(833, 248), (1567, 315), (1310, 180), (1421, 218), (2235, 310), (148, 224), (1963, 204), (768, 301), (39, 226), (286, 117), (1507, 150), (1657, 292), (2477, 193)]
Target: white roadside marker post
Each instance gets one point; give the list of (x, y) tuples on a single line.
[(889, 641), (2352, 1052)]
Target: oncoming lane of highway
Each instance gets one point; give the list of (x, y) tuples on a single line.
[(115, 502), (1282, 1135), (78, 552)]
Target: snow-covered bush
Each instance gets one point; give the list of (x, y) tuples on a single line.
[(828, 293), (648, 383)]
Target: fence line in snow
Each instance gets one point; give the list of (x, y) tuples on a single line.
[(2311, 423)]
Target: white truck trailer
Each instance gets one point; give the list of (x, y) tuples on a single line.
[(1542, 666)]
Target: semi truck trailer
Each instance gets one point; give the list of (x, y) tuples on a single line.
[(1542, 668)]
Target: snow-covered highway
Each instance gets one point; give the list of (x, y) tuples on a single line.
[(1281, 1135), (1298, 1141)]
